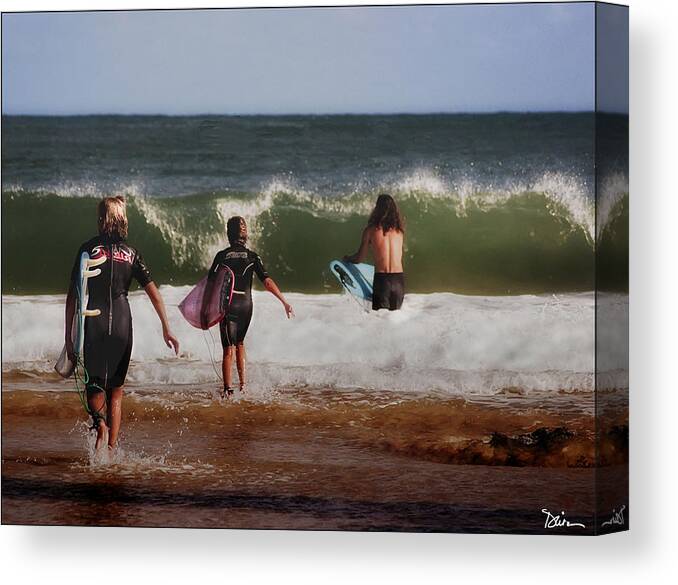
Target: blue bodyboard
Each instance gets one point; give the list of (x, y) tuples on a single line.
[(355, 278)]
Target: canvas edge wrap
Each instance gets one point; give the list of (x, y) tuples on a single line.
[(611, 481)]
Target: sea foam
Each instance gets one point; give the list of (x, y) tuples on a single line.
[(439, 342)]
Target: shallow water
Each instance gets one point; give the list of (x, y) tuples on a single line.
[(457, 413), (300, 459)]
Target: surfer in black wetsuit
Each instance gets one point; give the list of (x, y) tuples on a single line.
[(244, 263), (108, 336), (384, 234)]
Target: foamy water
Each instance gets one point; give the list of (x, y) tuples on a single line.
[(439, 342)]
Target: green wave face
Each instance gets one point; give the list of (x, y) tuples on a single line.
[(494, 203), (526, 242)]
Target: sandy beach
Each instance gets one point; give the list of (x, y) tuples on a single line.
[(301, 460)]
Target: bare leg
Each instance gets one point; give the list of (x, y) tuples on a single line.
[(114, 415), (240, 362), (227, 365), (96, 401)]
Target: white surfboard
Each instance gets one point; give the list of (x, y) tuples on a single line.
[(65, 365)]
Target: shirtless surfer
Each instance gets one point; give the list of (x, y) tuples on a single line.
[(384, 234)]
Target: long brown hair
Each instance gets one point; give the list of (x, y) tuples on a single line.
[(386, 215), (236, 230), (112, 217)]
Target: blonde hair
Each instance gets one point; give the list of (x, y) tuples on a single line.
[(112, 214)]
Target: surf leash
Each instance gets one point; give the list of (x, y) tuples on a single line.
[(81, 384), (209, 350)]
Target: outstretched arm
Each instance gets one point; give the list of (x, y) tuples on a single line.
[(272, 287), (361, 254), (159, 306)]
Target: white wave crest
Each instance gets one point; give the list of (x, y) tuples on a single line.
[(612, 191)]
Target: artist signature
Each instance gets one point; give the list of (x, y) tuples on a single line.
[(559, 520), (617, 518)]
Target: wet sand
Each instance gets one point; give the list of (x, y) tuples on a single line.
[(300, 461)]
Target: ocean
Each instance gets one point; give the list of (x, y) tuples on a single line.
[(495, 204), (351, 419)]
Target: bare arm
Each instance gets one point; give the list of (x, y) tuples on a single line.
[(361, 254), (272, 287), (159, 306)]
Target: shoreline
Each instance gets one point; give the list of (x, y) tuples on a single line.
[(261, 465)]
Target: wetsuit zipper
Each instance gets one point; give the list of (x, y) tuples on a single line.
[(110, 310), (110, 297)]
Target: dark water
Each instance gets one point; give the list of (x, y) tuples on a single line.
[(495, 204)]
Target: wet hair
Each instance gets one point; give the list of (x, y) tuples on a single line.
[(386, 215), (236, 230), (112, 217)]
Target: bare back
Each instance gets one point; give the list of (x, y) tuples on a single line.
[(387, 249)]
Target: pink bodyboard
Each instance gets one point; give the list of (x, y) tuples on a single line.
[(217, 304)]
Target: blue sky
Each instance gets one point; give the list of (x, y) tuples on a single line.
[(312, 60)]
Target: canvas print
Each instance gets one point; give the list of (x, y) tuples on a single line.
[(353, 268)]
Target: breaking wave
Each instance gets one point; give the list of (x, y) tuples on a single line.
[(465, 237)]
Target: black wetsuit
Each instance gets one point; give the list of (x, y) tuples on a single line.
[(388, 290), (108, 337), (244, 263)]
